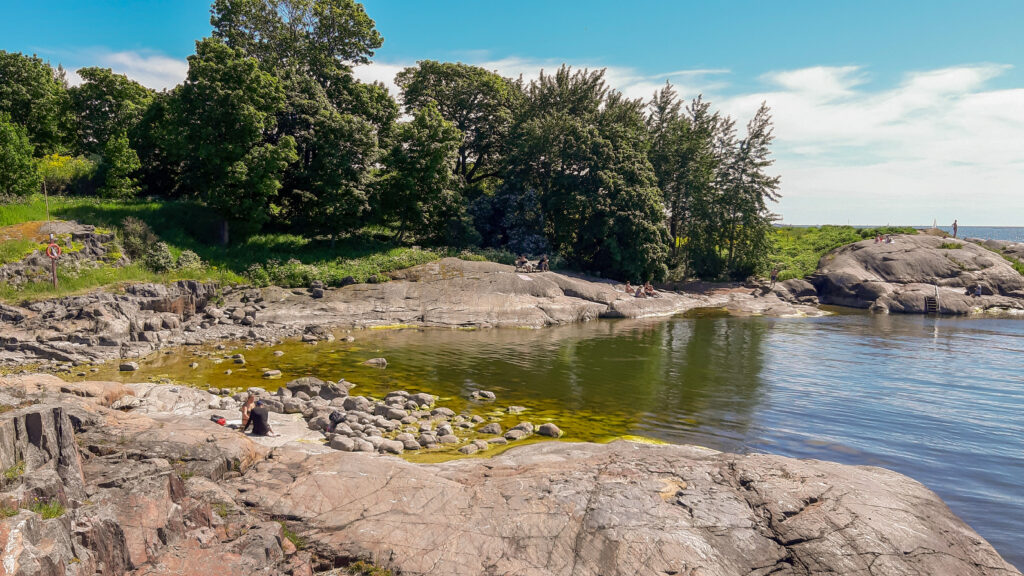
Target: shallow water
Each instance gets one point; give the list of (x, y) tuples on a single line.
[(938, 399)]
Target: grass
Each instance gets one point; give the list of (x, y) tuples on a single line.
[(362, 568), (6, 510), (292, 537), (16, 249), (278, 258), (15, 471), (798, 249), (47, 509), (950, 246)]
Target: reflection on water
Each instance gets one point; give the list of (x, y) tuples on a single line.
[(941, 400)]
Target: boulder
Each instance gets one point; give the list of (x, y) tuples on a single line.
[(129, 366), (378, 362), (549, 429), (492, 428)]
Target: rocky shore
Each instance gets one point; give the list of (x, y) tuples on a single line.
[(156, 487), (139, 319)]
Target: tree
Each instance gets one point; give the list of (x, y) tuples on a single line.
[(308, 35), (106, 104), (18, 174), (583, 149), (478, 102), (63, 173), (418, 187), (34, 95), (120, 163), (225, 112)]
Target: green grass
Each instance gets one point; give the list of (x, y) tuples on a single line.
[(15, 471), (950, 246), (15, 250), (292, 536), (798, 249), (48, 509), (361, 568)]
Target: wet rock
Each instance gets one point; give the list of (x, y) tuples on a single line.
[(469, 449), (515, 409), (129, 366), (272, 374), (513, 435), (448, 439), (444, 412), (549, 429), (492, 428), (278, 353), (484, 395), (378, 362), (526, 427)]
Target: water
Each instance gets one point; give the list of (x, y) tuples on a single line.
[(1011, 233), (938, 399)]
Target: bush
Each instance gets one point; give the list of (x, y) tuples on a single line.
[(136, 237), (189, 260), (159, 257), (64, 173)]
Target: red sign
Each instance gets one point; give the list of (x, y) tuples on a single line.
[(53, 251)]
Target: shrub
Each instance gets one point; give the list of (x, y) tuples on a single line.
[(136, 237), (950, 246), (257, 275), (189, 260), (159, 257), (63, 173), (49, 509)]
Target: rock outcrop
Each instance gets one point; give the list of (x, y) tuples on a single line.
[(903, 275), (90, 490), (448, 293)]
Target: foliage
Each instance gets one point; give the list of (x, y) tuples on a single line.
[(48, 509), (106, 105), (307, 34), (64, 173), (159, 257), (189, 260), (417, 189), (15, 471), (797, 250), (582, 148), (224, 110), (373, 267), (18, 174), (120, 163), (950, 246), (33, 94), (136, 237), (361, 568), (292, 537), (480, 103)]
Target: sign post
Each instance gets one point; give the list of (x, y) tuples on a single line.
[(54, 252)]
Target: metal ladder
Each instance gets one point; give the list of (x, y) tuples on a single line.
[(931, 303)]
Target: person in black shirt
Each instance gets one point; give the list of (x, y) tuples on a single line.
[(259, 417)]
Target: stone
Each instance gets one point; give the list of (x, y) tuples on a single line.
[(442, 411), (392, 446), (278, 353), (448, 439), (515, 409), (396, 414), (269, 374), (512, 435), (292, 406), (469, 449), (362, 445), (500, 441), (484, 395), (378, 362), (423, 399), (526, 427), (549, 429), (193, 365), (343, 443), (129, 366), (492, 428)]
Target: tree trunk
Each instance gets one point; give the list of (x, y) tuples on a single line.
[(224, 232)]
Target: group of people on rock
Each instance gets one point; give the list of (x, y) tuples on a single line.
[(645, 291), (255, 414), (887, 239), (523, 264)]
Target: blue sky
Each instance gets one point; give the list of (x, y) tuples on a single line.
[(886, 112)]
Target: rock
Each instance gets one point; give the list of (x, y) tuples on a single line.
[(492, 428), (515, 409), (292, 406), (484, 395), (515, 435), (448, 439), (621, 509), (272, 374), (443, 411), (526, 427), (278, 353), (395, 414), (362, 445), (378, 362), (129, 366), (343, 443), (392, 446), (469, 449), (309, 385), (549, 429), (498, 441), (422, 399), (194, 365)]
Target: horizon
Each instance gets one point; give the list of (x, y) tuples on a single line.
[(880, 113)]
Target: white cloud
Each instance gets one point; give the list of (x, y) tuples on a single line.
[(151, 70)]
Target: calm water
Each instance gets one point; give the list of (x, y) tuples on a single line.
[(941, 400), (1011, 233)]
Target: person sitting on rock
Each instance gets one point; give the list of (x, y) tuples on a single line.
[(629, 287), (640, 292), (649, 290), (522, 261), (247, 407), (542, 265), (260, 420), (977, 291)]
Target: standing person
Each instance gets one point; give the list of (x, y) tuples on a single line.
[(247, 407), (775, 276), (954, 228)]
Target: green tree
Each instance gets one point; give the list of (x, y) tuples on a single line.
[(225, 113), (308, 35), (583, 149), (417, 189), (18, 174), (120, 163), (106, 104), (63, 173), (33, 94), (480, 103)]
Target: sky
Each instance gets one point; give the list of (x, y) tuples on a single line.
[(885, 112)]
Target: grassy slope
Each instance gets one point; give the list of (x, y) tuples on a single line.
[(286, 259), (798, 250)]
